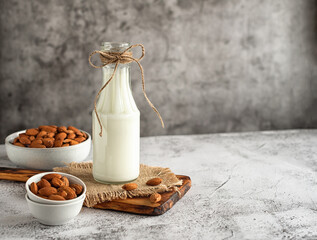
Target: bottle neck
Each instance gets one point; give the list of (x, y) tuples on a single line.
[(117, 97), (114, 46), (122, 73)]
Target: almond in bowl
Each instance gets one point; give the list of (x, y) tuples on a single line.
[(55, 198), (55, 188), (50, 137), (47, 147)]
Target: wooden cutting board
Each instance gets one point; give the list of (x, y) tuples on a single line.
[(139, 205)]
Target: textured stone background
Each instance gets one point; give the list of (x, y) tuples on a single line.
[(211, 66)]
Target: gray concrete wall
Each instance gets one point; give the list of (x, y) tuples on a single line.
[(210, 66)]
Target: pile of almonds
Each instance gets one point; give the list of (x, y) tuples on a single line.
[(53, 186), (155, 197), (50, 136)]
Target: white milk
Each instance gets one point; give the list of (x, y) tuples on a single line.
[(116, 154)]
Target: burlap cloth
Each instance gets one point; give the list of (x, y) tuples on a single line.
[(97, 192)]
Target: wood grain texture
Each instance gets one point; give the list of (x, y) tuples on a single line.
[(16, 174), (140, 205)]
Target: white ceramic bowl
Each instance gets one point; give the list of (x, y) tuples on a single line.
[(72, 180), (46, 158), (54, 214)]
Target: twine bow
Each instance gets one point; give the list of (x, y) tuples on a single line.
[(123, 58)]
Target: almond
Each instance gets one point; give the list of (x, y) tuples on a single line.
[(37, 146), (43, 183), (80, 139), (47, 191), (70, 131), (71, 136), (70, 192), (60, 136), (62, 129), (23, 135), (67, 140), (53, 126), (50, 176), (37, 141), (41, 134), (78, 188), (57, 182), (130, 186), (48, 129), (76, 130), (49, 138), (58, 143), (32, 132), (65, 145), (33, 187), (154, 182), (51, 134), (79, 133), (16, 140), (155, 197), (18, 144), (73, 142), (48, 142), (56, 197), (31, 138), (73, 128), (24, 140), (62, 193), (65, 180)]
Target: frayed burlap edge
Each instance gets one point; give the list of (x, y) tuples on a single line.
[(97, 192)]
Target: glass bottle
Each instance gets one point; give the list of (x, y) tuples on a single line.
[(116, 154)]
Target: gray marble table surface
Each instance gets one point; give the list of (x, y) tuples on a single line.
[(259, 185)]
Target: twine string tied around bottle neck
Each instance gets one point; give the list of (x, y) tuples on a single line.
[(123, 58)]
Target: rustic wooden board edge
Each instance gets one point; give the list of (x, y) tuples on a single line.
[(175, 197), (155, 210), (17, 174)]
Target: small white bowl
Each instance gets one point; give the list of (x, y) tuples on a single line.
[(72, 180), (54, 214), (46, 158)]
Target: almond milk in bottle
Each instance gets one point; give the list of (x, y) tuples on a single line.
[(116, 153)]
